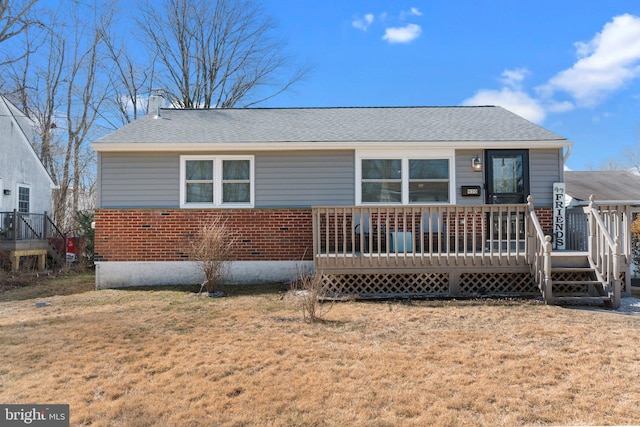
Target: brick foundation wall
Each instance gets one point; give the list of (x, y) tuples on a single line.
[(545, 217), (164, 235)]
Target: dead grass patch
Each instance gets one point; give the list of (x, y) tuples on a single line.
[(128, 358)]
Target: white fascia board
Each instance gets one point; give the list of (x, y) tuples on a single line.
[(314, 145)]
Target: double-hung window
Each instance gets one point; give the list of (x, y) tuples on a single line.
[(413, 178), (24, 199), (428, 180), (216, 181), (381, 181)]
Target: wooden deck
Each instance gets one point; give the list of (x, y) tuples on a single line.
[(454, 250), (30, 234)]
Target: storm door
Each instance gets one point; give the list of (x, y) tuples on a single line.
[(507, 183), (507, 176)]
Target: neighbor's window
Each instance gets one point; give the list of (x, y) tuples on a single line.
[(23, 199), (428, 180), (209, 181), (405, 180)]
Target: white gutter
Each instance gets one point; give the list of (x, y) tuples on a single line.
[(317, 145)]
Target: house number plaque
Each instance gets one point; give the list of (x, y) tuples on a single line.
[(471, 190)]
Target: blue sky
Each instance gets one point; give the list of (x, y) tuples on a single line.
[(570, 66)]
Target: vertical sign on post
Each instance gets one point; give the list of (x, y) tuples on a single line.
[(559, 224)]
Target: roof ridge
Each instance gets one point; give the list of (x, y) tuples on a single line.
[(381, 107)]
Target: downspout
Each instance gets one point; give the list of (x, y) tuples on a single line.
[(568, 153)]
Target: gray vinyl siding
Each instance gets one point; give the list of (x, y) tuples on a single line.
[(545, 168), (289, 179), (139, 180), (305, 178), (466, 176), (282, 179)]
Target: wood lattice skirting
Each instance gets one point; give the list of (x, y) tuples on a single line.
[(431, 284)]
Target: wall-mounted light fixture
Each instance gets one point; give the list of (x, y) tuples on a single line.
[(7, 192), (476, 163)]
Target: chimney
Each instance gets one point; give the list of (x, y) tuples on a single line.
[(156, 102)]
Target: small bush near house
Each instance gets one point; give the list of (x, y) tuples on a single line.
[(211, 248), (85, 219)]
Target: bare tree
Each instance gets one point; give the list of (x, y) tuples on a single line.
[(60, 84), (14, 20), (632, 157), (218, 53), (85, 95), (130, 82)]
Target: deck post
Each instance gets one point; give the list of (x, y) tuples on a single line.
[(591, 245), (615, 302), (454, 283), (16, 225), (45, 234), (548, 282)]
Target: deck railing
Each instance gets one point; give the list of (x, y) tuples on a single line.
[(605, 251), (539, 254), (20, 227), (418, 236)]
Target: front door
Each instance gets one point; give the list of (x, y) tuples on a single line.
[(507, 176), (507, 183)]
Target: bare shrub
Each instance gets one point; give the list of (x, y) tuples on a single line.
[(212, 248), (308, 291)]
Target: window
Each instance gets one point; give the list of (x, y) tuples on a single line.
[(199, 181), (381, 181), (406, 179), (23, 199), (236, 181), (428, 180), (208, 181)]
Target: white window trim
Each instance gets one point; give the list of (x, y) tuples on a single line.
[(217, 182), (18, 187), (405, 156)]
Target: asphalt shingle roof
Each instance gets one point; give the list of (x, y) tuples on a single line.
[(604, 185), (255, 125)]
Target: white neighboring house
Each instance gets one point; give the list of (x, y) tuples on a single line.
[(25, 192), (25, 184)]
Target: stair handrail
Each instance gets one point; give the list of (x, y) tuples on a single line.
[(604, 254), (30, 231), (52, 230), (539, 253)]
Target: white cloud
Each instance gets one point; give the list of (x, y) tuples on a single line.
[(514, 78), (414, 11), (605, 63), (364, 22), (514, 100), (405, 34)]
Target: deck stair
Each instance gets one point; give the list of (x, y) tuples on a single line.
[(575, 281)]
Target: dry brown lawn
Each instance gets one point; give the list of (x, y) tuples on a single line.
[(168, 358)]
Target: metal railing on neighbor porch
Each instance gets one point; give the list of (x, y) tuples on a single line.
[(18, 226)]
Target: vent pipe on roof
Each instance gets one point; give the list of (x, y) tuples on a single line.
[(156, 102)]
